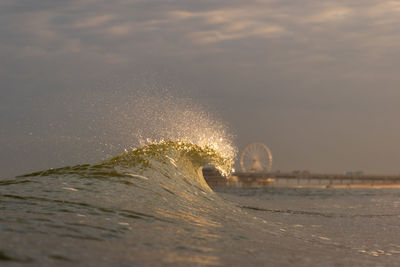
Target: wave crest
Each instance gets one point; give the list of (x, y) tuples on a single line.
[(177, 153)]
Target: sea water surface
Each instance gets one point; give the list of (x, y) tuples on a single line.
[(151, 206)]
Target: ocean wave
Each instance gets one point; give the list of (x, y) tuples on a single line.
[(157, 162)]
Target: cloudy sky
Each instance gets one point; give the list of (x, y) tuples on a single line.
[(317, 81)]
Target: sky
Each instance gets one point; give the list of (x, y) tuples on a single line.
[(316, 81)]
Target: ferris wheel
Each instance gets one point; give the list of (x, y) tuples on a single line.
[(256, 157)]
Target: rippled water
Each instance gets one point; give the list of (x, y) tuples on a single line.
[(151, 206), (331, 226)]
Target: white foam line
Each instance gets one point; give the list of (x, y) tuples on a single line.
[(70, 188), (137, 176)]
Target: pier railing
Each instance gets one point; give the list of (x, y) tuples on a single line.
[(280, 179)]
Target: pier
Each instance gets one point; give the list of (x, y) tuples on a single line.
[(300, 179)]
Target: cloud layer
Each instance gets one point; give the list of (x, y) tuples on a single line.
[(316, 81)]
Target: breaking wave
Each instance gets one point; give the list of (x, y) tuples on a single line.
[(173, 165)]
